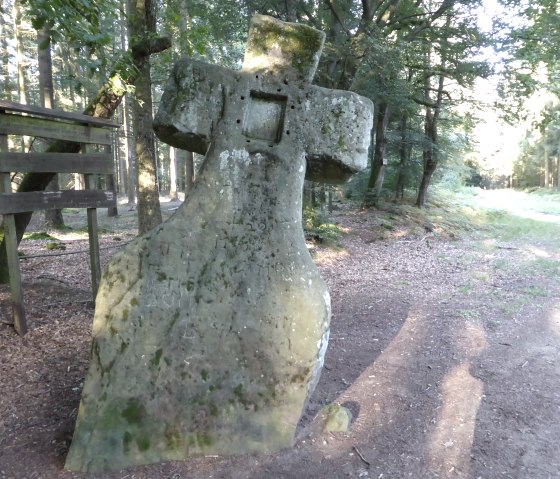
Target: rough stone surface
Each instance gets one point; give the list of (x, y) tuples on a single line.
[(210, 331), (338, 419)]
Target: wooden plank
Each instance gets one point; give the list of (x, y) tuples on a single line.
[(52, 113), (18, 312), (46, 200), (58, 130), (101, 163), (10, 240)]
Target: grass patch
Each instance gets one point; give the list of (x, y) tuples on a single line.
[(38, 235), (469, 314), (319, 229), (506, 226), (548, 267), (53, 245), (501, 263), (480, 276), (503, 215), (536, 291)]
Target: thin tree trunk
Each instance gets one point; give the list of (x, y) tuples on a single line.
[(379, 162), (430, 153), (4, 53), (546, 161), (131, 157), (404, 155), (142, 24), (189, 171), (111, 186), (21, 80), (53, 218), (122, 146), (172, 174)]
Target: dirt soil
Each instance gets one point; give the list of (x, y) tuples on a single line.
[(446, 351)]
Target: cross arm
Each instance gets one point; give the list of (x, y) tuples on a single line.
[(192, 104), (339, 124)]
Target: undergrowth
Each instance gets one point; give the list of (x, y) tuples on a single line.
[(501, 214), (319, 228)]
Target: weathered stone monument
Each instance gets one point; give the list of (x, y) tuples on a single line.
[(210, 331)]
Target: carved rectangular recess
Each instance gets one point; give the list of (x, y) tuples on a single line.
[(264, 116)]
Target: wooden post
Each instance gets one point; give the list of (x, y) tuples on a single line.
[(94, 259), (18, 312)]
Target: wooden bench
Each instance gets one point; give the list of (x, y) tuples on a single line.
[(17, 119)]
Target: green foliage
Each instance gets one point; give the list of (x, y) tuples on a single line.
[(77, 22), (547, 266), (528, 39), (38, 235), (317, 227), (53, 245)]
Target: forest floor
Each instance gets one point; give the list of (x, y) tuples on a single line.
[(445, 344)]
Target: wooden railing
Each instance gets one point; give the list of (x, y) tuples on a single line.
[(87, 131)]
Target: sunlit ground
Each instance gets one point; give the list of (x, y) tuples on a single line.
[(518, 203)]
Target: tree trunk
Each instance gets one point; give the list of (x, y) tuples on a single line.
[(189, 171), (112, 211), (405, 149), (53, 218), (379, 161), (172, 174), (141, 17), (430, 153), (121, 154), (131, 156), (21, 80), (4, 53), (546, 162)]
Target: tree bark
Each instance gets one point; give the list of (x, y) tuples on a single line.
[(142, 24), (429, 157), (430, 152), (189, 171), (546, 161), (379, 161), (4, 53), (405, 150), (172, 174), (53, 218)]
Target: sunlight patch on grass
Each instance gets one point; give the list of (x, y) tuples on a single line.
[(494, 215), (536, 291), (548, 267)]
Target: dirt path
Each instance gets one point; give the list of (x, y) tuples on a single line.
[(446, 351)]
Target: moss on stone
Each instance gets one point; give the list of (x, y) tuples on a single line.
[(300, 42), (157, 357), (134, 413), (127, 439), (143, 443)]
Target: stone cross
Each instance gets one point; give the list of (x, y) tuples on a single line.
[(210, 331)]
